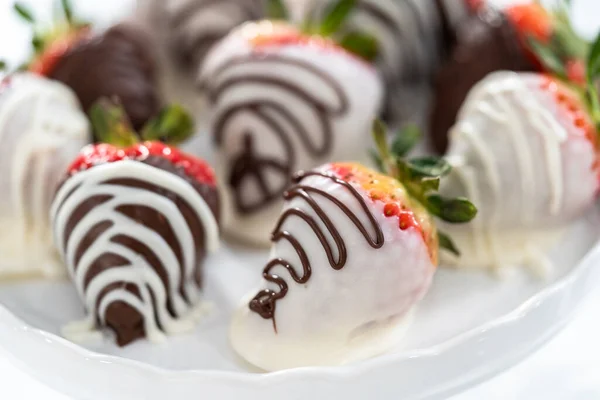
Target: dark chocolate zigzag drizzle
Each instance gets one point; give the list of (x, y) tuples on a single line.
[(248, 164), (265, 302)]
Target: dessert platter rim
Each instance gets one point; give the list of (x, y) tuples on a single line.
[(16, 336)]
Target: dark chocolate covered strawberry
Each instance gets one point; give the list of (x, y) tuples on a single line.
[(50, 45), (133, 223), (524, 37), (119, 63)]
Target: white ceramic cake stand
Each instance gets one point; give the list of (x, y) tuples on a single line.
[(470, 327)]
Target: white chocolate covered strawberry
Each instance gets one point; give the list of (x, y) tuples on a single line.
[(282, 100), (414, 36), (41, 129), (353, 253), (525, 150)]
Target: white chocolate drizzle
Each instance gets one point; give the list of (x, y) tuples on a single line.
[(154, 296)]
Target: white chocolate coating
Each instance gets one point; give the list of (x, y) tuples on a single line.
[(92, 183), (310, 93), (525, 165), (337, 316), (41, 130), (411, 45)]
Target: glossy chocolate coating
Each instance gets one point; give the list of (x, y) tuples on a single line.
[(117, 64), (486, 43), (125, 320)]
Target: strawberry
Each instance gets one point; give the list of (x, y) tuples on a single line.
[(346, 229), (163, 214), (51, 45), (528, 144), (285, 98), (388, 192), (549, 40), (521, 38), (531, 20), (111, 126), (96, 154)]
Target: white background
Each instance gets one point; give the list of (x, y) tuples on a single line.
[(566, 369)]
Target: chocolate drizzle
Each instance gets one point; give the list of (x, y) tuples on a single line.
[(193, 37), (265, 302), (277, 116)]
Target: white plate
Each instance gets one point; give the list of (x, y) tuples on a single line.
[(470, 327)]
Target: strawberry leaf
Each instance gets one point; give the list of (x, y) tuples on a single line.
[(377, 160), (24, 12), (336, 15), (430, 184), (593, 63), (38, 44), (406, 140), (277, 10), (447, 244), (3, 66), (380, 136), (173, 125), (548, 58), (67, 9), (363, 45), (455, 211), (428, 167), (111, 124)]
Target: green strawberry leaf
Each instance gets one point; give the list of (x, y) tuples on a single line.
[(3, 66), (173, 125), (363, 45), (335, 16), (548, 57), (380, 137), (67, 9), (455, 211), (593, 62), (428, 167), (447, 244), (111, 124), (430, 184), (421, 178), (377, 160), (405, 140), (277, 10), (38, 44), (24, 12)]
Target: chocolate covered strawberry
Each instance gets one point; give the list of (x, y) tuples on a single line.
[(50, 45), (41, 129), (284, 98), (354, 251), (524, 37), (118, 63), (414, 36), (133, 223), (525, 148)]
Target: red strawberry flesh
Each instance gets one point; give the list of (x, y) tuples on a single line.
[(97, 154)]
